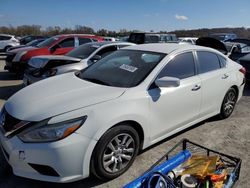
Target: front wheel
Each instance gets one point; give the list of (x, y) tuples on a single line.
[(115, 152), (228, 103)]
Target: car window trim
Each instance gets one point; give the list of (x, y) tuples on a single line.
[(198, 64), (170, 59)]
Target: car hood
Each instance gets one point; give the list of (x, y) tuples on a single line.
[(212, 43), (58, 95), (43, 60), (25, 48)]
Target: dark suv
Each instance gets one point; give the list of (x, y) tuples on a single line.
[(142, 38)]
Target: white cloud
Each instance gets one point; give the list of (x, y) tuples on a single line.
[(181, 17)]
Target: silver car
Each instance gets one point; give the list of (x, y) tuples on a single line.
[(41, 67)]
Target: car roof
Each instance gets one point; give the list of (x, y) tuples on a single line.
[(69, 35), (109, 43), (166, 48), (6, 35)]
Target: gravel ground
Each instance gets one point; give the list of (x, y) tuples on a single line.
[(230, 136)]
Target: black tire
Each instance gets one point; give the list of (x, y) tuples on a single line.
[(97, 161), (228, 103)]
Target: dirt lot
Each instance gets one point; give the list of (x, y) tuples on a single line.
[(231, 136)]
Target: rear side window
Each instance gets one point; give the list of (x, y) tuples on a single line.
[(223, 61), (69, 42), (208, 61), (137, 38), (182, 66), (84, 40), (152, 39)]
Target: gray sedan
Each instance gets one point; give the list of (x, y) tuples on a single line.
[(41, 67)]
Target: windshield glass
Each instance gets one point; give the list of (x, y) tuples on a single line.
[(83, 51), (48, 42), (123, 68)]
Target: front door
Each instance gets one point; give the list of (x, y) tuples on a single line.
[(171, 108)]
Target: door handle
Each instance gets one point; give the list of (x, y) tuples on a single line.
[(225, 76), (196, 87)]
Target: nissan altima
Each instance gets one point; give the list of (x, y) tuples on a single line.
[(67, 127)]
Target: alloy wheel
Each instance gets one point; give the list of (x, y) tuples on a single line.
[(229, 103), (118, 153)]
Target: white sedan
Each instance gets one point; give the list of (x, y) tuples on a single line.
[(66, 127)]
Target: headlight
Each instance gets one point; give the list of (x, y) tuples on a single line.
[(18, 56), (49, 73), (44, 132)]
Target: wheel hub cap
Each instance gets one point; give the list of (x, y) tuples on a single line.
[(118, 153)]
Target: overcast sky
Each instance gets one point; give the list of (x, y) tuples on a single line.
[(129, 14)]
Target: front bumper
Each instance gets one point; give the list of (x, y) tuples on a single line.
[(65, 157)]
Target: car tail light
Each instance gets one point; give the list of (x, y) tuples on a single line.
[(243, 70)]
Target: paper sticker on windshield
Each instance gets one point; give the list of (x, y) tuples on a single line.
[(128, 68)]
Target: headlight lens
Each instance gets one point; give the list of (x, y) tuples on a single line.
[(44, 132), (19, 55), (49, 73)]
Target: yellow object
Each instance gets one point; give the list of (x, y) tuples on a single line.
[(200, 165), (218, 184)]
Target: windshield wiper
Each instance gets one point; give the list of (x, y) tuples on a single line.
[(97, 81)]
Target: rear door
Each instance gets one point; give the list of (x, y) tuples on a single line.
[(215, 80), (173, 107)]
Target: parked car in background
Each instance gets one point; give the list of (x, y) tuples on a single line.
[(223, 36), (95, 121), (17, 60), (237, 50), (245, 62), (142, 38), (124, 39), (41, 67), (189, 40), (110, 39), (26, 39), (31, 43), (7, 41), (234, 50)]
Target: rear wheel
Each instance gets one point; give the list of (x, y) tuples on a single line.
[(115, 152), (228, 103)]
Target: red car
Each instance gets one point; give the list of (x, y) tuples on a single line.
[(17, 60)]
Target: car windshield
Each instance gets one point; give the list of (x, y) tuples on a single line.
[(48, 42), (83, 51), (123, 68)]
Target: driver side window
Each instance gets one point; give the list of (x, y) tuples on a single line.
[(69, 42), (181, 66)]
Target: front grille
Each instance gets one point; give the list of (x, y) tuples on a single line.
[(7, 121), (10, 57)]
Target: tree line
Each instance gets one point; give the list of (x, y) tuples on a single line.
[(23, 30)]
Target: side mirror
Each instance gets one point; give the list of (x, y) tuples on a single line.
[(95, 58), (167, 82)]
